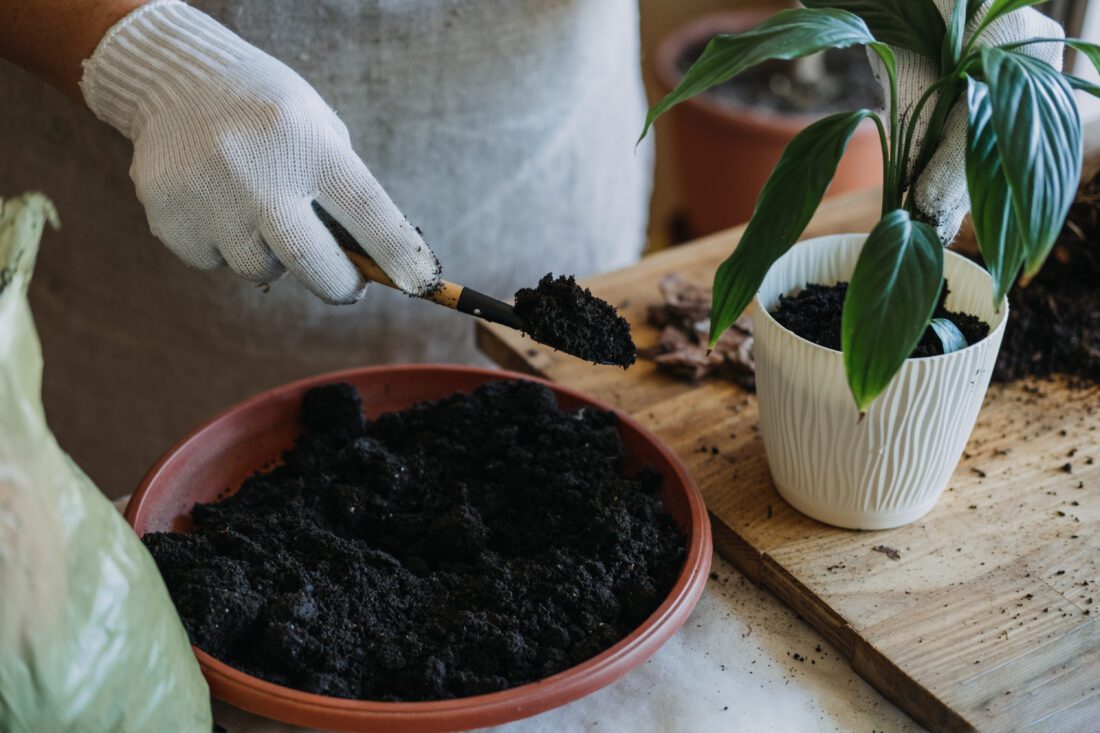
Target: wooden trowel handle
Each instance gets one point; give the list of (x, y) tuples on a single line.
[(449, 295)]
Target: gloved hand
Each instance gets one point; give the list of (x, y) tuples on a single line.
[(231, 147), (940, 190)]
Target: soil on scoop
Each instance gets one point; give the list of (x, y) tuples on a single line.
[(456, 548), (842, 80), (1054, 321), (814, 313), (563, 315), (557, 313)]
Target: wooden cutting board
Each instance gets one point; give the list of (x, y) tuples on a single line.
[(986, 618)]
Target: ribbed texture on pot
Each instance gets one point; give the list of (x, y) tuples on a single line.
[(889, 468)]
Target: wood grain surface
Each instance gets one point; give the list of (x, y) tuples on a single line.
[(986, 619)]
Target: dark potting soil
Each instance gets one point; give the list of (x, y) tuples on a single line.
[(562, 314), (1054, 322), (814, 313), (459, 547), (840, 80)]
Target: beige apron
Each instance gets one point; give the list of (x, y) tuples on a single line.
[(503, 128)]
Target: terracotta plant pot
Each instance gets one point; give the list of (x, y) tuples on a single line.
[(889, 468), (230, 447), (725, 154)]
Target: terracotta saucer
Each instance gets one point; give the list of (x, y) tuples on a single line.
[(216, 457)]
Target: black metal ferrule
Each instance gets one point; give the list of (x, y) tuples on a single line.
[(490, 309)]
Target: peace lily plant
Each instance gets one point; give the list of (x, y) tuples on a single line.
[(1023, 162), (885, 460)]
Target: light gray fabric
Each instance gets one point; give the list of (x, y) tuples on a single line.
[(503, 128)]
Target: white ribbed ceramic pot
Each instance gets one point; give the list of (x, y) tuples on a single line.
[(889, 468)]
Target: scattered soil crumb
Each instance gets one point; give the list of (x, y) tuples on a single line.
[(890, 552)]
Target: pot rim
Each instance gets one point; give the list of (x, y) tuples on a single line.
[(665, 71), (303, 708), (758, 307)]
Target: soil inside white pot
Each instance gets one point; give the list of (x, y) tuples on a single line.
[(888, 467), (833, 81), (814, 313)]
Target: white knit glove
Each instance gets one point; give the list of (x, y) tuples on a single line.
[(940, 191), (231, 147)]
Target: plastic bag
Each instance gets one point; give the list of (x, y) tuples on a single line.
[(89, 639)]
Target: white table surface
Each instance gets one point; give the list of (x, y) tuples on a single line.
[(730, 668)]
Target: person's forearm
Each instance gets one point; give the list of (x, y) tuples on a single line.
[(50, 38)]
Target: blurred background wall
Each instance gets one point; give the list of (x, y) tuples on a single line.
[(659, 18)]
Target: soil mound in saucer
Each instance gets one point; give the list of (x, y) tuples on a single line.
[(814, 313), (459, 547)]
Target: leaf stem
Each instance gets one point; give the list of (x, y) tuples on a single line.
[(902, 162), (935, 124), (1020, 44), (887, 173), (974, 37), (895, 138)]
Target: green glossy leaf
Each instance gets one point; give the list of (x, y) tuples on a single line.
[(1076, 82), (890, 299), (1091, 51), (1038, 132), (787, 201), (951, 338), (886, 53), (991, 212), (953, 39), (786, 35), (915, 25)]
